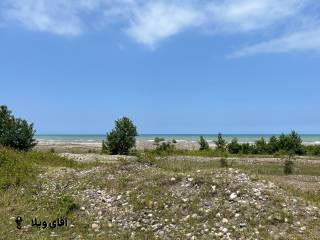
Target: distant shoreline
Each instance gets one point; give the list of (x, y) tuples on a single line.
[(147, 139)]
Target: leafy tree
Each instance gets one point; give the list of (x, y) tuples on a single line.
[(261, 146), (121, 139), (203, 144), (15, 133), (273, 145), (291, 143), (234, 147), (220, 143)]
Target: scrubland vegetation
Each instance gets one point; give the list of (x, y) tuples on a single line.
[(233, 191), (157, 197)]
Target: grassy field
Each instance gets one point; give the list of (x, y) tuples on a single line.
[(156, 198)]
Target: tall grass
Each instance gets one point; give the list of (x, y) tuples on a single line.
[(20, 168)]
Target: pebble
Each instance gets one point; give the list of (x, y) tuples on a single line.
[(233, 196), (94, 226)]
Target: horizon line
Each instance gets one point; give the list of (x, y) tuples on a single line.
[(204, 134)]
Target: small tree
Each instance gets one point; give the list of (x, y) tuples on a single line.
[(273, 145), (234, 147), (203, 144), (291, 143), (261, 146), (121, 139), (220, 143), (15, 133)]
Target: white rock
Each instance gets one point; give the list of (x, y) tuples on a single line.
[(94, 226), (194, 215), (233, 196)]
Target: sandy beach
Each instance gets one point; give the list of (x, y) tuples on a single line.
[(96, 146)]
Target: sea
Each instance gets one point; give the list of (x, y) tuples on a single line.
[(307, 139)]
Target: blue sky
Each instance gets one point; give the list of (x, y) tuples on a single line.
[(172, 66)]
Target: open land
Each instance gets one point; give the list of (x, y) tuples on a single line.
[(163, 197)]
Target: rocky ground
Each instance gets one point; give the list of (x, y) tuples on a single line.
[(141, 199)]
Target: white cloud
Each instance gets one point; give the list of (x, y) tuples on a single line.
[(157, 21), (150, 21), (299, 41), (62, 17), (248, 15)]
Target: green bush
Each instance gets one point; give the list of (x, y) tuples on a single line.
[(157, 140), (284, 145), (203, 144), (121, 139), (220, 143), (246, 148), (234, 147), (261, 146), (165, 148), (15, 133), (273, 145), (291, 143), (312, 150), (67, 205)]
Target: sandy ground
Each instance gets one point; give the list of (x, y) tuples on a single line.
[(85, 147)]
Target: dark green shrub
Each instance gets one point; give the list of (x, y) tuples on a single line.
[(246, 148), (157, 140), (121, 139), (15, 133), (203, 144), (234, 147), (313, 150), (273, 145), (67, 205), (220, 143), (261, 146), (165, 148), (291, 143), (174, 141)]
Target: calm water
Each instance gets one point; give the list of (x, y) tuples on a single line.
[(307, 139)]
